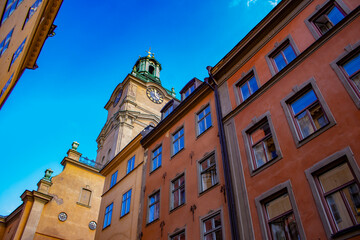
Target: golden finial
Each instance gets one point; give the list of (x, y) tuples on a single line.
[(149, 52)]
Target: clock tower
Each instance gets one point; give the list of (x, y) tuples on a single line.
[(134, 104)]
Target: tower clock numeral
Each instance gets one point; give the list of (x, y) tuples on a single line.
[(154, 95)]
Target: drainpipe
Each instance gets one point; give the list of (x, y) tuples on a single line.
[(225, 158)]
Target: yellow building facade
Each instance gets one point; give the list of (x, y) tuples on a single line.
[(24, 27), (120, 209), (63, 207)]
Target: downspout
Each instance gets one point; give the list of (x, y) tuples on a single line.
[(225, 158)]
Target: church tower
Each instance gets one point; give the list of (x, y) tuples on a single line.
[(134, 104)]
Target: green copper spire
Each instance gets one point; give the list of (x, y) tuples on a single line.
[(147, 68)]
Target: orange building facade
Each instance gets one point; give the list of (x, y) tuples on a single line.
[(184, 191), (290, 99), (24, 27)]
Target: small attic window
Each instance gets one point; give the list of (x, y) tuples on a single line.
[(189, 91), (151, 70)]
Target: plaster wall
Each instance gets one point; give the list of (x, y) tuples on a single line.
[(124, 227), (66, 190)]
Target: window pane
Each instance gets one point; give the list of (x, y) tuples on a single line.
[(318, 116), (259, 154), (339, 211), (278, 230), (279, 61), (356, 80), (304, 101), (208, 121), (201, 126), (253, 85), (260, 133), (289, 54), (353, 198), (278, 206), (245, 92), (335, 177), (208, 225), (335, 15), (305, 125), (270, 148), (353, 65), (285, 228)]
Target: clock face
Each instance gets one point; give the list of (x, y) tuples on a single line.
[(154, 95), (117, 98), (62, 216)]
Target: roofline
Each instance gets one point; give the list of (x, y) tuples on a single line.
[(264, 29)]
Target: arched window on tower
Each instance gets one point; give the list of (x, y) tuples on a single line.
[(151, 70)]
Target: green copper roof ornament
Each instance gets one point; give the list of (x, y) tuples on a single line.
[(47, 176), (75, 145)]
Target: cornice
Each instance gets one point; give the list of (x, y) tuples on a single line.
[(127, 150), (293, 64), (45, 21), (181, 110), (261, 34), (67, 160)]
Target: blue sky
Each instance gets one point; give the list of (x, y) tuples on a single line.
[(95, 47)]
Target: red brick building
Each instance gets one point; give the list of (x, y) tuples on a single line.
[(290, 99)]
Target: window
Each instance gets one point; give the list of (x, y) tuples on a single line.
[(178, 192), (17, 52), (189, 91), (204, 120), (168, 111), (156, 159), (212, 228), (130, 165), (32, 11), (126, 200), (178, 141), (326, 17), (280, 218), (11, 5), (340, 193), (108, 213), (5, 43), (352, 70), (347, 67), (261, 145), (335, 186), (307, 113), (278, 213), (178, 236), (6, 85), (113, 179), (85, 196), (208, 175), (246, 86), (154, 207), (283, 56)]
